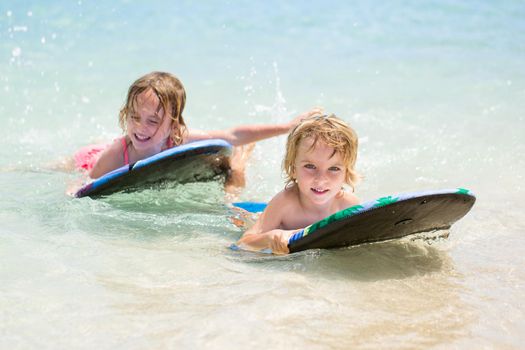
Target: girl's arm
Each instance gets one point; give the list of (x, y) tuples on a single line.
[(110, 159), (245, 134), (266, 233), (240, 135)]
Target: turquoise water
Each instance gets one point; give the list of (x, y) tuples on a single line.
[(435, 90)]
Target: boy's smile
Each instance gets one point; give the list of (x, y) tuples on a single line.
[(319, 191), (319, 172)]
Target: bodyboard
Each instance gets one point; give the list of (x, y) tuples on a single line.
[(192, 162), (383, 219)]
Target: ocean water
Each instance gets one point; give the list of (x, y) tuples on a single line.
[(434, 89)]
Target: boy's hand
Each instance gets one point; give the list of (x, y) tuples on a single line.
[(279, 241)]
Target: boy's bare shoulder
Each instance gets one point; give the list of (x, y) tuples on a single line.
[(287, 196), (349, 200), (285, 200)]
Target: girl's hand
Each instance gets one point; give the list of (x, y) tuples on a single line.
[(314, 111)]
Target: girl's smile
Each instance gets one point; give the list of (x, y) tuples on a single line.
[(141, 138), (148, 128)]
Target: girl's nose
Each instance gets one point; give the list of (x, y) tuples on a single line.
[(139, 124)]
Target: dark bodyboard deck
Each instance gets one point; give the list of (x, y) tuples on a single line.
[(193, 162), (383, 219)]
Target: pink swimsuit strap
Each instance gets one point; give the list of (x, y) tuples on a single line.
[(125, 147)]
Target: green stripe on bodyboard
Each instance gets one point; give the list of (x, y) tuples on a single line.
[(381, 202), (334, 217)]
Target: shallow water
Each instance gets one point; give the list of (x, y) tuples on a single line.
[(435, 90)]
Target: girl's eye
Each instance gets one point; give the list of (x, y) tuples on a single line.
[(135, 118), (153, 121), (309, 166), (334, 168)]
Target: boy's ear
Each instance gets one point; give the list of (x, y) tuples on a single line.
[(292, 172)]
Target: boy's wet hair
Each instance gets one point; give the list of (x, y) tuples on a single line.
[(333, 132), (171, 94)]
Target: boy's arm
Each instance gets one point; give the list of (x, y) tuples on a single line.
[(245, 134), (266, 233), (276, 240)]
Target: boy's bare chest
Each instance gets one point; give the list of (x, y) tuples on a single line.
[(299, 219)]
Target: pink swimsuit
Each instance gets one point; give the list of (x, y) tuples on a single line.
[(87, 157)]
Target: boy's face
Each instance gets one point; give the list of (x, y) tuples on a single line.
[(319, 171), (148, 127)]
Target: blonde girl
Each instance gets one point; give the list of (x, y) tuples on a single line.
[(152, 121)]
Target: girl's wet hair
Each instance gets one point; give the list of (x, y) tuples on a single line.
[(171, 94), (333, 132)]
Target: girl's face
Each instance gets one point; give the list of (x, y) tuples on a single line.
[(319, 172), (148, 127)]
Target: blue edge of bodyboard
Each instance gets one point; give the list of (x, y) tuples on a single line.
[(257, 207), (141, 163)]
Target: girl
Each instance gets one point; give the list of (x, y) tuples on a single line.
[(320, 157), (152, 122)]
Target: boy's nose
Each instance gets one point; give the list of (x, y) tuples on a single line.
[(320, 176)]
